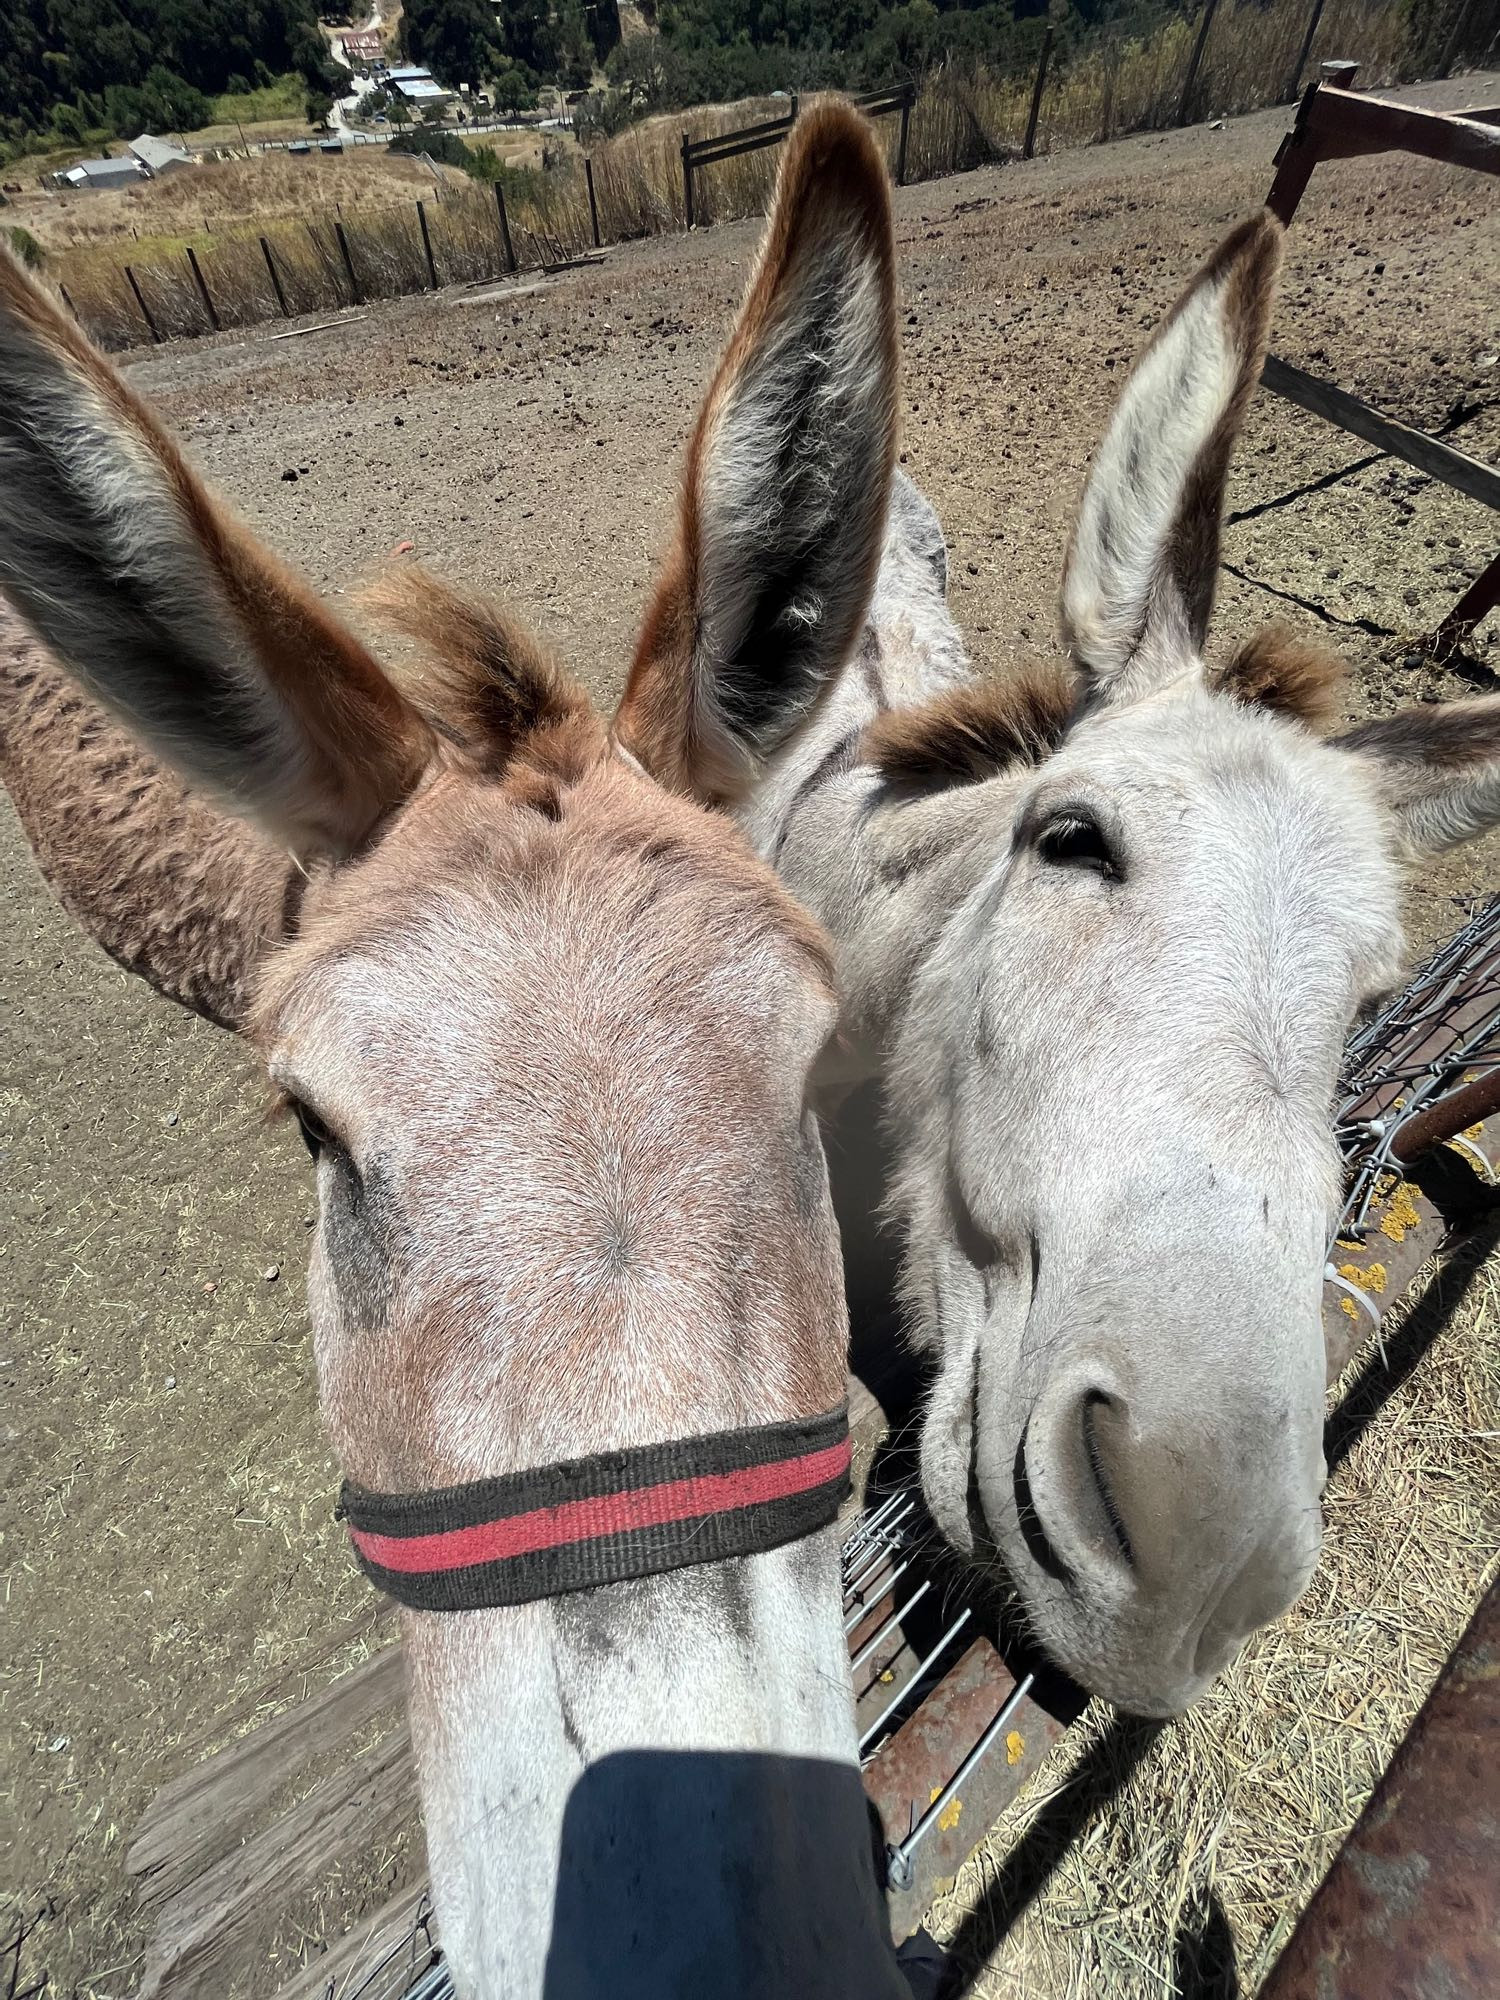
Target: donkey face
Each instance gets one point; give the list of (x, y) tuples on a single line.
[(549, 1033), (1105, 933), (1113, 1081)]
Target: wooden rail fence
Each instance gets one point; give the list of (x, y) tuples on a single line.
[(700, 153)]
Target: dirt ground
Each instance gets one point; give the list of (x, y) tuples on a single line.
[(167, 1495)]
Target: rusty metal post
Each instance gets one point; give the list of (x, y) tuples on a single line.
[(588, 174), (343, 241), (202, 284), (1028, 150), (1412, 1904), (510, 255), (906, 104), (1306, 50), (275, 277), (427, 246), (1210, 8), (687, 181), (145, 309)]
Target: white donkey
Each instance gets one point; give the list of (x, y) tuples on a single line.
[(576, 1292), (1103, 933)]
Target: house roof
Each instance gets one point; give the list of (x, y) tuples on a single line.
[(158, 153), (107, 169)]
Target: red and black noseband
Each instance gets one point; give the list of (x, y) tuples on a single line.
[(607, 1519)]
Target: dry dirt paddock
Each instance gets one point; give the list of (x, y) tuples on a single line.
[(168, 1540)]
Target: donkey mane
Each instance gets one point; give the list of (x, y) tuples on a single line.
[(1275, 669), (968, 734)]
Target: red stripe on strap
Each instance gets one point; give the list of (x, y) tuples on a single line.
[(617, 1513)]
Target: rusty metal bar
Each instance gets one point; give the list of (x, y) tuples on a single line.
[(203, 292), (141, 302), (1412, 1904), (1451, 1115), (427, 245), (275, 277)]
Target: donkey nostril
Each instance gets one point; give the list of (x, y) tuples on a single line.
[(1102, 1420), (1033, 1534)]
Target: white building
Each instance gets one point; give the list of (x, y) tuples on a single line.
[(159, 156), (124, 172), (417, 86)]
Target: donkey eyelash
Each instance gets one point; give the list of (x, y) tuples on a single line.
[(1076, 840), (316, 1135)]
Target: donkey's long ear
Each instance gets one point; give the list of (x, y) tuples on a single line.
[(169, 612), (788, 478), (1438, 768), (1139, 581)]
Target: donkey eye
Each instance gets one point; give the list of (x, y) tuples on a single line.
[(1074, 840), (315, 1134)]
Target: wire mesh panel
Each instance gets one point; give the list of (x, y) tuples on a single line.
[(1440, 1033)]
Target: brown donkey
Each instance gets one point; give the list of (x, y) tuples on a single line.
[(575, 1292)]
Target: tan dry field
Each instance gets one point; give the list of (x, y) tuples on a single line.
[(168, 1537), (222, 195)]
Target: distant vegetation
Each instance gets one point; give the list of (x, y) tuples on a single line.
[(72, 71)]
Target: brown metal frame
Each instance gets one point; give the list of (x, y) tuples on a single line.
[(1412, 1904), (1333, 123)]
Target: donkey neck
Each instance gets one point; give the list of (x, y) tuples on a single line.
[(174, 889), (653, 1790)]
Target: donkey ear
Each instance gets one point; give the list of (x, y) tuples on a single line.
[(788, 479), (169, 613), (1438, 769), (1138, 584)]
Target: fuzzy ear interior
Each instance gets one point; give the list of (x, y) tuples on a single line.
[(788, 480), (1142, 566), (169, 612), (1438, 768)]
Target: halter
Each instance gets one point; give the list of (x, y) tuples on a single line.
[(611, 1518)]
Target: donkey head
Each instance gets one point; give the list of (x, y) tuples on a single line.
[(549, 1033), (1106, 932)]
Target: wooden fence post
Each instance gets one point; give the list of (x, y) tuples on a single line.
[(62, 293), (338, 230), (275, 277), (1306, 50), (200, 282), (687, 181), (588, 174), (145, 309), (906, 103), (1210, 8), (427, 246), (796, 105), (510, 255), (1029, 149)]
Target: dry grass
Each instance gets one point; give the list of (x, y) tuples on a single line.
[(1110, 85), (1175, 1861)]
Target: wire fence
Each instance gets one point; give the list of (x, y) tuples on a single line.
[(1080, 88)]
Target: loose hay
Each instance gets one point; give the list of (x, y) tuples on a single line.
[(1150, 1860)]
